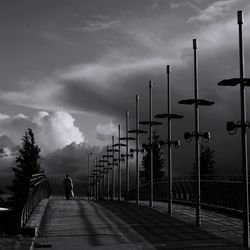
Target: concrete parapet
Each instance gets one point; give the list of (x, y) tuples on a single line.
[(32, 226)]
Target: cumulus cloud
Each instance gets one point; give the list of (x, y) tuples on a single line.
[(52, 130), (72, 159), (105, 131), (57, 130)]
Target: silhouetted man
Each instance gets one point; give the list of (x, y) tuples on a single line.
[(68, 187)]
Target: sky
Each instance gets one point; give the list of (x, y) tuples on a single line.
[(70, 69)]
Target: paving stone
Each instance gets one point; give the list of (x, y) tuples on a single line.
[(78, 224)]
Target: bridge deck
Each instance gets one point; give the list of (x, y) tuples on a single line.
[(78, 224)]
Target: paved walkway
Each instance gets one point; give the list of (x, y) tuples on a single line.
[(222, 225), (81, 225)]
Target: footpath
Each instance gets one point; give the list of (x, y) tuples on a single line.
[(82, 224), (78, 224)]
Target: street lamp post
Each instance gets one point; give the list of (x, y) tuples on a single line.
[(102, 177), (119, 160), (113, 150), (89, 154), (151, 148), (197, 134), (91, 185), (127, 162), (137, 152), (95, 180), (99, 179), (127, 155), (243, 124), (137, 131), (151, 123), (169, 141), (108, 156), (99, 172), (119, 164), (113, 169)]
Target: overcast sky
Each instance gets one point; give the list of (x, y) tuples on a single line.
[(70, 69)]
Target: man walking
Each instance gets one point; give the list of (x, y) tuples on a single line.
[(68, 187)]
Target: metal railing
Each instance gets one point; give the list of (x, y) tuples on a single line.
[(39, 189), (218, 191)]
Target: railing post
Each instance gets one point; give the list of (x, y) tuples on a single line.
[(39, 189)]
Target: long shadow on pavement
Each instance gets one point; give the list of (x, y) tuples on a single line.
[(164, 231)]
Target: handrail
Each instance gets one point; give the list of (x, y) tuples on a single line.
[(220, 191), (39, 189), (204, 178)]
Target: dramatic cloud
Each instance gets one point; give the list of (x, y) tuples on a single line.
[(108, 84), (57, 130), (71, 159), (105, 131), (102, 78), (52, 130)]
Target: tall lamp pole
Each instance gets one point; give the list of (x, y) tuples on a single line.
[(91, 186), (119, 160), (113, 150), (137, 152), (95, 181), (113, 169), (169, 141), (137, 131), (89, 154), (102, 162), (197, 134), (127, 155), (243, 124), (150, 123), (108, 168)]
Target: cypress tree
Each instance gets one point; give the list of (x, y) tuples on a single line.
[(26, 165)]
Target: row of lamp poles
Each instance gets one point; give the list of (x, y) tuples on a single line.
[(150, 123), (196, 135)]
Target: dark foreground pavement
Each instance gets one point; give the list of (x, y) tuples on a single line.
[(78, 224)]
